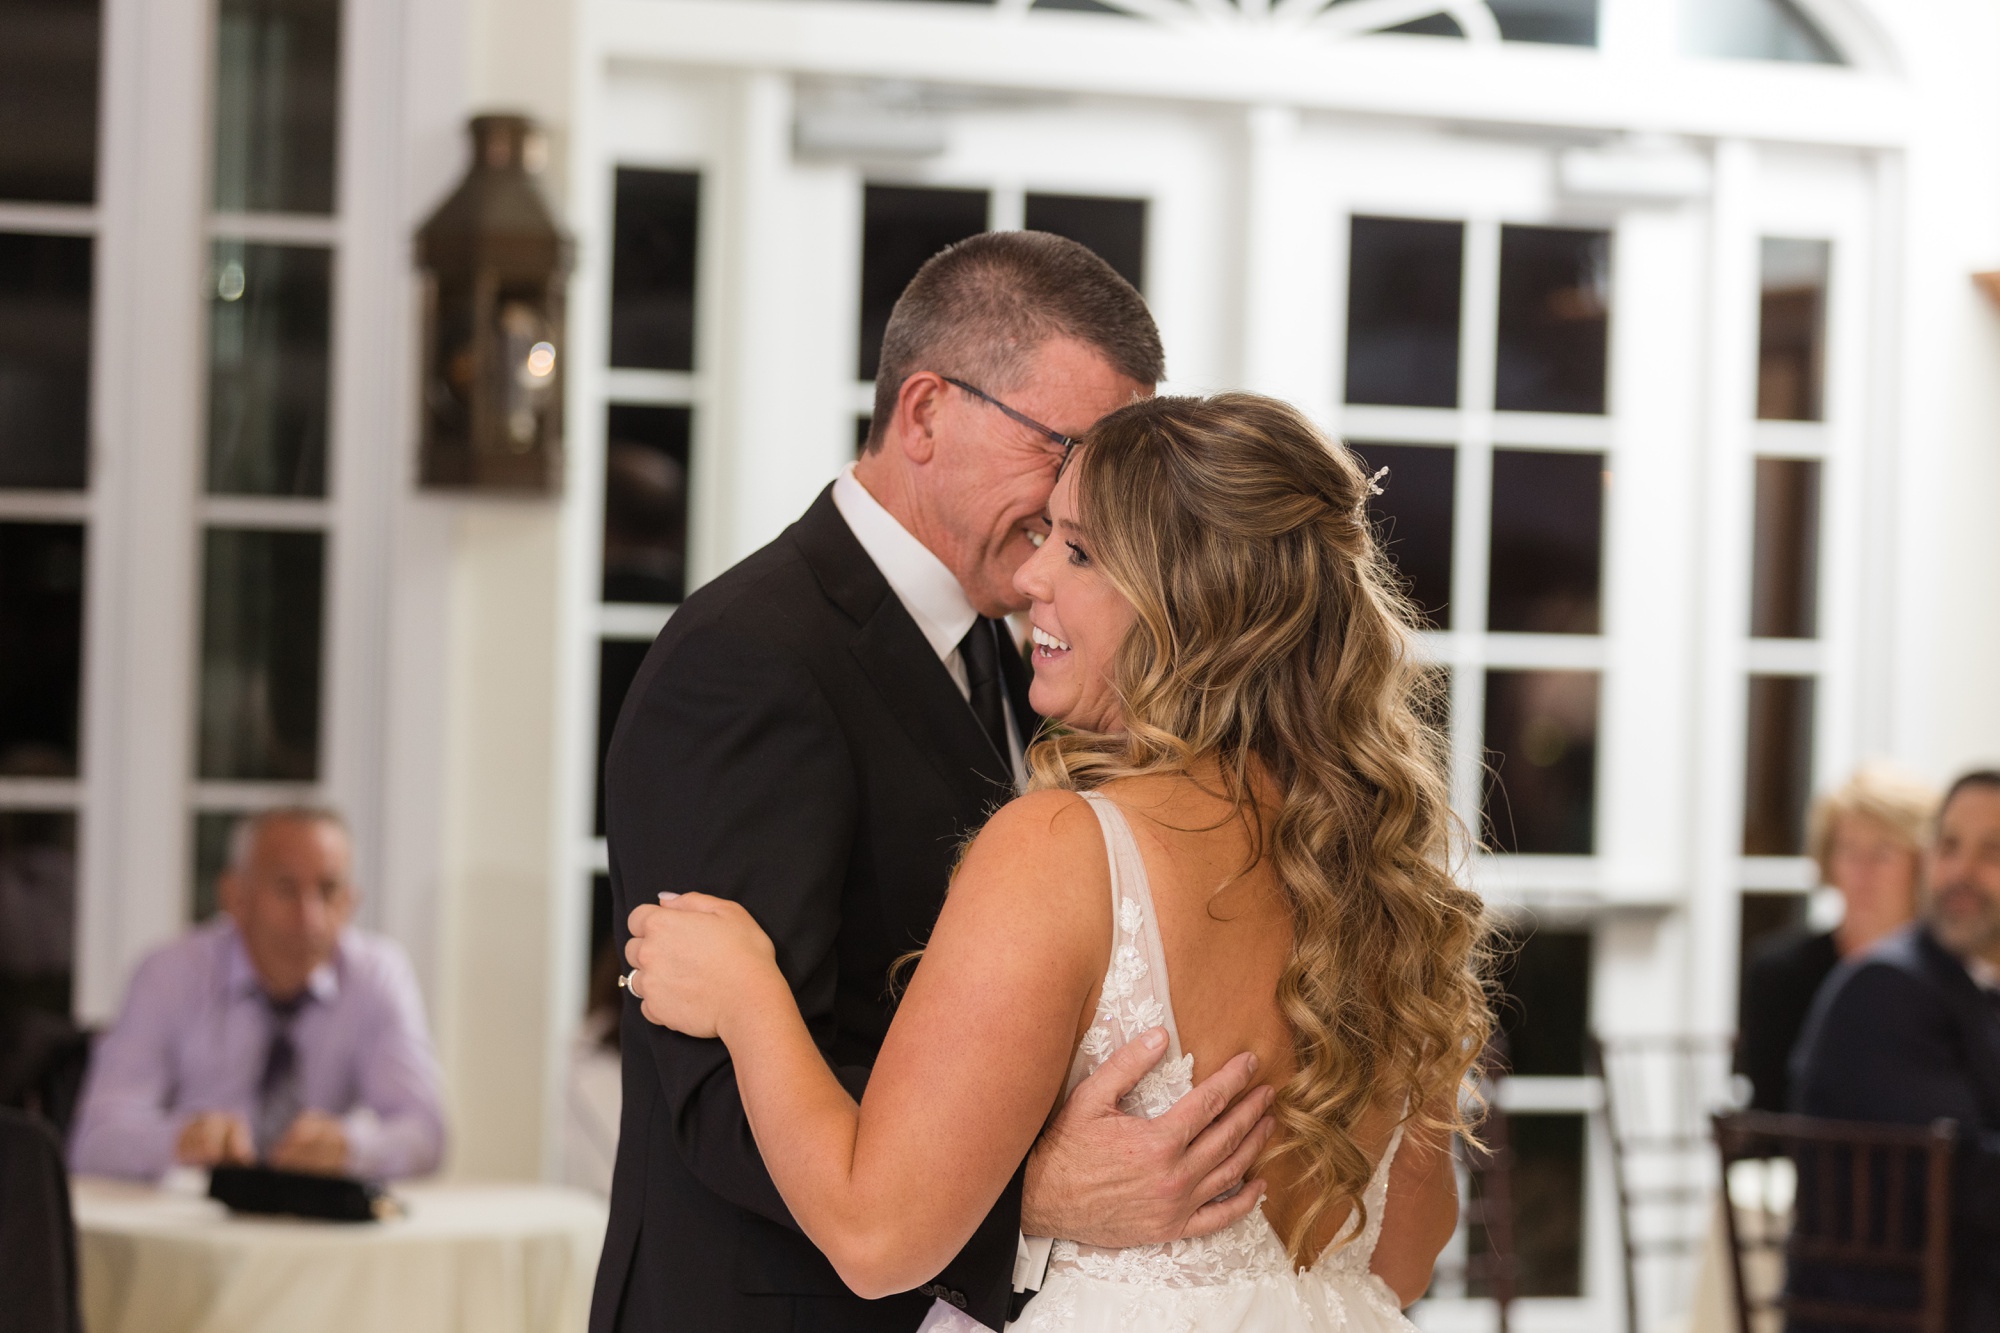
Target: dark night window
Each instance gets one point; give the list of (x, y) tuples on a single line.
[(645, 503), (1547, 542), (44, 361), (1403, 297), (901, 227), (1791, 330), (1541, 752), (41, 647), (1777, 766), (261, 630), (270, 326), (653, 248), (48, 100), (1413, 519), (211, 857), (1554, 22), (1554, 319), (1784, 568), (37, 911), (277, 105), (1114, 228), (617, 663)]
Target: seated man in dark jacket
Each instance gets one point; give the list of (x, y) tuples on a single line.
[(1909, 1033)]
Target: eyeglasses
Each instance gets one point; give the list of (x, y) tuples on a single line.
[(1066, 443)]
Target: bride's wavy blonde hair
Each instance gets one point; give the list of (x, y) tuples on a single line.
[(1271, 631)]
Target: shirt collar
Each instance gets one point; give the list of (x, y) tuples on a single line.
[(926, 588), (1984, 974), (240, 975)]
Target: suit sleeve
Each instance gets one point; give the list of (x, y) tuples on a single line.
[(1882, 1046), (729, 775)]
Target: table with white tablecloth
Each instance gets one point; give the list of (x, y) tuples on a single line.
[(490, 1258)]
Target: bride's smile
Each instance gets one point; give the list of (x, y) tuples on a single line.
[(1079, 619)]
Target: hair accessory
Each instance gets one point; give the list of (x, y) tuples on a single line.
[(1380, 473)]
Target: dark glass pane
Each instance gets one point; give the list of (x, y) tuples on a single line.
[(260, 654), (277, 105), (1784, 576), (862, 425), (1765, 917), (1430, 25), (1777, 769), (1541, 752), (901, 227), (211, 856), (44, 361), (1547, 542), (653, 235), (617, 663), (41, 647), (1080, 6), (37, 914), (1755, 30), (645, 504), (1413, 519), (1114, 228), (270, 310), (48, 100), (1544, 1007), (1546, 1155), (1791, 331), (1555, 288), (1403, 291), (1558, 22)]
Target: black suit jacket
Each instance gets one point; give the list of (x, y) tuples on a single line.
[(1902, 1034), (1778, 990), (791, 741)]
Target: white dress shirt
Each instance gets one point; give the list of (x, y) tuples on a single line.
[(926, 588), (930, 593)]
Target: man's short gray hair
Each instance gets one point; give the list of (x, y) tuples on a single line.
[(243, 837), (977, 310)]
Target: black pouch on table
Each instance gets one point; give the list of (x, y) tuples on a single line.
[(260, 1189)]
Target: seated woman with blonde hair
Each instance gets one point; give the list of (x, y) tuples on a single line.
[(1238, 839)]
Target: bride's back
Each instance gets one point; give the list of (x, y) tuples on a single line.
[(1226, 932)]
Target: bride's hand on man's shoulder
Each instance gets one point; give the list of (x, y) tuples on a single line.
[(694, 958)]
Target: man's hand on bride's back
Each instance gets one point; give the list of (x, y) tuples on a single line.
[(1100, 1177)]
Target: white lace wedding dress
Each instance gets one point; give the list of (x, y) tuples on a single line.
[(1239, 1278)]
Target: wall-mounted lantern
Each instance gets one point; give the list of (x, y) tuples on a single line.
[(495, 264)]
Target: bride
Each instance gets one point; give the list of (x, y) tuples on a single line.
[(1237, 839)]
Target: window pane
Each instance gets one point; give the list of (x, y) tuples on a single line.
[(862, 425), (1541, 752), (1784, 580), (260, 654), (1544, 981), (44, 361), (41, 647), (1547, 1158), (37, 911), (1754, 30), (617, 663), (645, 504), (1777, 771), (1547, 543), (1413, 519), (901, 227), (1559, 22), (1555, 287), (269, 316), (48, 100), (211, 855), (1763, 918), (277, 103), (652, 268), (1114, 228), (1791, 331), (1403, 291)]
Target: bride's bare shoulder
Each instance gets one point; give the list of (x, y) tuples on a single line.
[(1042, 844)]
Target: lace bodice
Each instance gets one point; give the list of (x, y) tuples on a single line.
[(1136, 997)]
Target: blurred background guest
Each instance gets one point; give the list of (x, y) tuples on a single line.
[(1909, 1033), (1866, 838), (593, 1095), (276, 1033)]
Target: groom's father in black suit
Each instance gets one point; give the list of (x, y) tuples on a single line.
[(814, 734), (1910, 1033)]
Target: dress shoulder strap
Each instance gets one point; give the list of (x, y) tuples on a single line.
[(1135, 995)]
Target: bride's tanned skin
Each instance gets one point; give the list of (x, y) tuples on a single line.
[(977, 1055)]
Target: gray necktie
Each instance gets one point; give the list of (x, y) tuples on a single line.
[(278, 1101)]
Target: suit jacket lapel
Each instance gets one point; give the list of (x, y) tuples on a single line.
[(898, 660), (1979, 1020)]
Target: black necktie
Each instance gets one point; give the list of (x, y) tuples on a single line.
[(278, 1100), (980, 650)]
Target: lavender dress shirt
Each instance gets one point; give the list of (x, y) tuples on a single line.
[(194, 1032)]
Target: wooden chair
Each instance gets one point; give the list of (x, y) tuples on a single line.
[(1659, 1092), (1872, 1203)]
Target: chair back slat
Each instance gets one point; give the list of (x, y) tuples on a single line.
[(1853, 1226)]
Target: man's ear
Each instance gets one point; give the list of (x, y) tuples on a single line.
[(918, 403)]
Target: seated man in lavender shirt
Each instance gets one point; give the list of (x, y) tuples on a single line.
[(275, 1033)]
